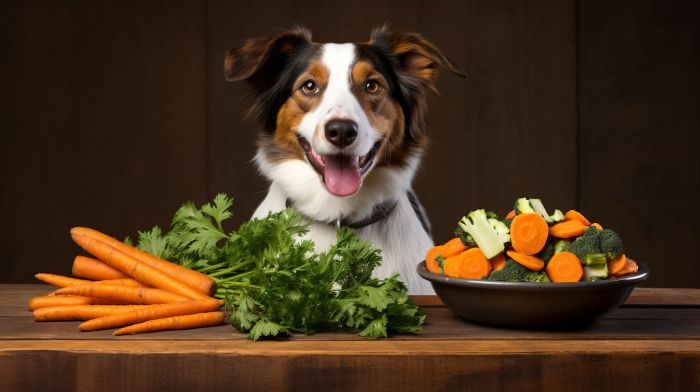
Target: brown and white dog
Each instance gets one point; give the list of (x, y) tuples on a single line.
[(343, 135)]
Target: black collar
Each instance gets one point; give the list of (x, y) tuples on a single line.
[(381, 211)]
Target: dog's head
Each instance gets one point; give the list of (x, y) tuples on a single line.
[(345, 109)]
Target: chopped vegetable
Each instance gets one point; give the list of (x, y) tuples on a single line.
[(527, 261), (529, 233), (564, 267), (511, 272), (595, 272), (567, 229), (486, 238), (577, 216), (473, 264), (498, 262), (596, 246), (522, 206)]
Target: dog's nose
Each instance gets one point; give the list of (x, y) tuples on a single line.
[(341, 133)]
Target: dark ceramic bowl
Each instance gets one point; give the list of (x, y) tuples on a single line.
[(533, 305)]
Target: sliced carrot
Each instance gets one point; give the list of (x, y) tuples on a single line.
[(134, 268), (454, 247), (133, 295), (510, 215), (575, 215), (43, 301), (564, 267), (567, 229), (474, 265), (597, 226), (528, 233), (197, 280), (189, 321), (527, 261), (80, 312), (498, 261), (629, 268), (452, 266), (87, 267), (616, 265), (150, 313), (431, 262)]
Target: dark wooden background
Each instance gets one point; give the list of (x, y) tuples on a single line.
[(114, 113)]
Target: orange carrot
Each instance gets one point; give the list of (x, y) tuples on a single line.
[(510, 215), (65, 281), (564, 267), (452, 266), (567, 229), (498, 261), (597, 226), (65, 300), (132, 295), (577, 216), (528, 233), (194, 279), (136, 269), (527, 261), (189, 321), (87, 267), (629, 268), (431, 262), (473, 264), (454, 247), (151, 313), (615, 265), (80, 312)]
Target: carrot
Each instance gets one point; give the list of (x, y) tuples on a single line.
[(80, 312), (564, 267), (194, 279), (132, 295), (65, 281), (87, 267), (136, 269), (452, 266), (473, 264), (151, 313), (454, 247), (431, 262), (597, 226), (615, 265), (189, 321), (567, 229), (510, 215), (629, 268), (577, 216), (43, 301), (527, 261), (498, 261), (528, 233)]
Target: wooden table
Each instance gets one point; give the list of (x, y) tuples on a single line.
[(651, 343)]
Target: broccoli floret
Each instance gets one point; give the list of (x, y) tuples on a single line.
[(502, 230), (466, 238), (476, 224), (511, 272), (536, 277), (595, 272), (596, 246), (522, 206), (546, 253), (492, 215), (557, 216), (560, 246)]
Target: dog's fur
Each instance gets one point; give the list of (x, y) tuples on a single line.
[(381, 85)]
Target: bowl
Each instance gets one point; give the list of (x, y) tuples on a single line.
[(533, 305)]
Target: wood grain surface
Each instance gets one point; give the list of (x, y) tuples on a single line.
[(642, 346)]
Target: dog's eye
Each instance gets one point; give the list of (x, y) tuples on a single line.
[(309, 87), (372, 86)]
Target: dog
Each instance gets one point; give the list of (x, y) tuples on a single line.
[(343, 135)]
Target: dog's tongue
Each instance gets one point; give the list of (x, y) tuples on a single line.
[(341, 175)]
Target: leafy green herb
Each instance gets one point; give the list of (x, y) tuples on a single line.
[(275, 283)]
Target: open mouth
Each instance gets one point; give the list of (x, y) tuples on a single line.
[(341, 173)]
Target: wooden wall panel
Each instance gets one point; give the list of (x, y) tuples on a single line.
[(639, 125), (509, 130), (103, 123)]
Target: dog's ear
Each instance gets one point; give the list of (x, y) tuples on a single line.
[(414, 55), (264, 56)]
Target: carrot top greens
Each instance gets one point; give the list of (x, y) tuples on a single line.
[(274, 282)]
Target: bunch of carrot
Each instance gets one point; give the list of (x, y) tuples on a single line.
[(529, 233), (127, 288)]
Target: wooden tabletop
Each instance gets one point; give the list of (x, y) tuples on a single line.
[(650, 343)]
